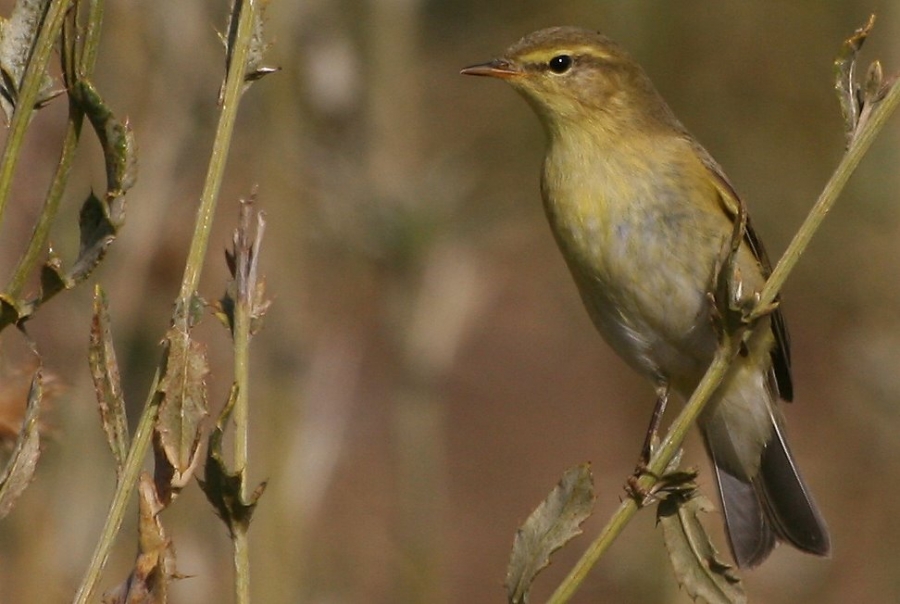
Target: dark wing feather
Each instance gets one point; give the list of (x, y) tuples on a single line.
[(781, 353)]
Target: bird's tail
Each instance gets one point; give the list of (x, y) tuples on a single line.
[(774, 505)]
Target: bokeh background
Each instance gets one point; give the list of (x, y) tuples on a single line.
[(426, 373)]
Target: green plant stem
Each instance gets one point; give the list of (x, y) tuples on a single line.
[(199, 243), (245, 12), (241, 442), (133, 464), (28, 94), (38, 241), (658, 463), (234, 86), (855, 151), (91, 37), (717, 370), (242, 379), (41, 232)]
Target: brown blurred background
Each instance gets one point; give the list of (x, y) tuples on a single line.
[(426, 372)]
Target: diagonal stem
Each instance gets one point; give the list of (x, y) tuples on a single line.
[(716, 372)]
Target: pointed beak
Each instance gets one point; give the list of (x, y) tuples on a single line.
[(498, 68)]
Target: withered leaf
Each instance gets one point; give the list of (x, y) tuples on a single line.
[(845, 76), (695, 560), (53, 278), (21, 465), (224, 488), (154, 566), (17, 38), (183, 406), (551, 525), (105, 374), (254, 68), (246, 292)]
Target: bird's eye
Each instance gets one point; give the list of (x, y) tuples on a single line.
[(560, 63)]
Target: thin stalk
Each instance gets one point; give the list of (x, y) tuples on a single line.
[(242, 379), (658, 463), (245, 12), (858, 147), (38, 242), (28, 94), (241, 442), (199, 243), (234, 86), (92, 37), (40, 234), (133, 464)]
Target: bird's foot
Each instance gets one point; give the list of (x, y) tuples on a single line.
[(732, 309), (676, 481)]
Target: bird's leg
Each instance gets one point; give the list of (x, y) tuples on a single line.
[(733, 310), (662, 399), (632, 487), (727, 296)]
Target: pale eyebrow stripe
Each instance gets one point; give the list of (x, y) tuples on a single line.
[(544, 55)]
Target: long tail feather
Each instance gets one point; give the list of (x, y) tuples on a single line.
[(789, 505)]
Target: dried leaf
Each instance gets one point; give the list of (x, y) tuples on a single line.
[(224, 488), (258, 47), (254, 70), (20, 466), (97, 232), (154, 567), (17, 38), (246, 288), (11, 311), (695, 560), (53, 279), (181, 411), (874, 88), (551, 525), (105, 373), (845, 77)]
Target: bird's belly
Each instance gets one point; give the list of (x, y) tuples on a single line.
[(666, 337), (642, 255), (648, 298)]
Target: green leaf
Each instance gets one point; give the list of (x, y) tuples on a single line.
[(116, 139), (101, 219), (21, 465), (105, 373), (181, 411), (224, 488), (551, 525), (17, 38), (695, 560)]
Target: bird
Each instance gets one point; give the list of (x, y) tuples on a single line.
[(643, 217)]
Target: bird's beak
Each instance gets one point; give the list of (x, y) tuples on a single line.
[(498, 68)]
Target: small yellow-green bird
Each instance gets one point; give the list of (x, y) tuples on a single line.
[(643, 216)]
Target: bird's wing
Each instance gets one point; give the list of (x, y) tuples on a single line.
[(731, 204)]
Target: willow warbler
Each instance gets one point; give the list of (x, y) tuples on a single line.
[(643, 216)]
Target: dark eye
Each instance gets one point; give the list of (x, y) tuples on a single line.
[(560, 63)]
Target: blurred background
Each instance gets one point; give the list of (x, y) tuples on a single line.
[(426, 372)]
